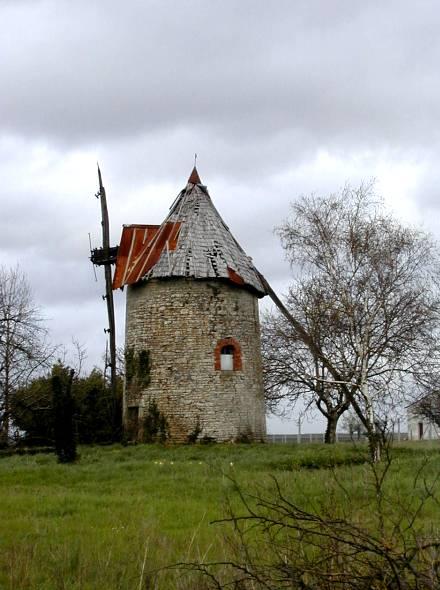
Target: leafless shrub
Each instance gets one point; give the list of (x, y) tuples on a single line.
[(278, 543)]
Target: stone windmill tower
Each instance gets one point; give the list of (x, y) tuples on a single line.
[(192, 325)]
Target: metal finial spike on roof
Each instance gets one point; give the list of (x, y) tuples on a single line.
[(194, 177)]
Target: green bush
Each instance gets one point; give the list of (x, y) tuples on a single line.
[(97, 414), (323, 457)]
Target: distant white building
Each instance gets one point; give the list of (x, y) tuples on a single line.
[(420, 427)]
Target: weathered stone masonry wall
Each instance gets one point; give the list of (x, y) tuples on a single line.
[(180, 322)]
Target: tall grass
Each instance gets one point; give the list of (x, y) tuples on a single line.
[(119, 515)]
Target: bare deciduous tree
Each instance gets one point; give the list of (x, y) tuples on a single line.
[(292, 374), (23, 346), (366, 297)]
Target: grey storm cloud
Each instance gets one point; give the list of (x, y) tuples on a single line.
[(341, 73)]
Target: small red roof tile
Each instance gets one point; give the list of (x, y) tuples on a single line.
[(194, 177)]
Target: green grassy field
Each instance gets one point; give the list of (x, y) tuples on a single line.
[(121, 513)]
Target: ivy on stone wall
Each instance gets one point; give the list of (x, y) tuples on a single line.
[(196, 432), (155, 424), (137, 367), (130, 366), (143, 367)]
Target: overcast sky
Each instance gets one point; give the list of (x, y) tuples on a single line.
[(278, 99)]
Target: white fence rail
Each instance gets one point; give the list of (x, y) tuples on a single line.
[(319, 438)]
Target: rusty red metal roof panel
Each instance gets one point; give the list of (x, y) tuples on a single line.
[(235, 277), (148, 257), (134, 239)]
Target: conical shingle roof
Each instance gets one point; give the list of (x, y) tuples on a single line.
[(192, 242)]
